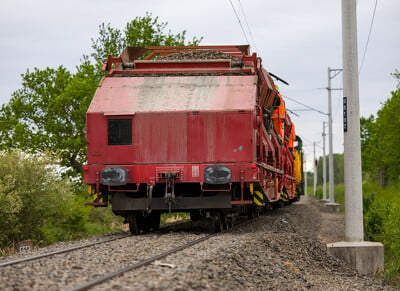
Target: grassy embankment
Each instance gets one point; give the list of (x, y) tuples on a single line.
[(381, 222)]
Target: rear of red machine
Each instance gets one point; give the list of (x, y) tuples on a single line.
[(194, 129)]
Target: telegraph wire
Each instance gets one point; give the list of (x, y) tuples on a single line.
[(291, 111), (240, 23), (305, 105), (247, 24), (301, 109), (369, 35)]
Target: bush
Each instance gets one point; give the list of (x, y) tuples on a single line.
[(382, 223), (36, 204), (30, 196)]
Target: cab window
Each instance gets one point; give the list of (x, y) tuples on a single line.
[(119, 131)]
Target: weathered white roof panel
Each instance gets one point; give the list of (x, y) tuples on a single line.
[(129, 95)]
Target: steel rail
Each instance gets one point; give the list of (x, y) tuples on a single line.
[(31, 258), (139, 264)]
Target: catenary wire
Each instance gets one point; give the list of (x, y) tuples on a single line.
[(247, 25), (240, 23), (369, 35), (305, 105)]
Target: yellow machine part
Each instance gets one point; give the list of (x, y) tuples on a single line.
[(297, 166), (258, 198), (284, 197), (97, 197)]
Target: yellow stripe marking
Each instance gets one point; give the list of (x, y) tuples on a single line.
[(258, 198)]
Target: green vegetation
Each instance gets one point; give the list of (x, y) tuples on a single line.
[(172, 217), (43, 124), (380, 140), (36, 204), (48, 113), (382, 223), (339, 194), (338, 169)]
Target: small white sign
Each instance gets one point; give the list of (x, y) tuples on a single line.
[(195, 171)]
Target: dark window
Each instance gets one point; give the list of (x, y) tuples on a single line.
[(120, 131)]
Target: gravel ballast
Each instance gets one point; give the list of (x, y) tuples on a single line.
[(282, 250)]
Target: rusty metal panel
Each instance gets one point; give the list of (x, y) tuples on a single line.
[(219, 137), (184, 137), (160, 138), (125, 95), (175, 137), (95, 137)]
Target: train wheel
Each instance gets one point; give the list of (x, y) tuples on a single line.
[(134, 223), (219, 222), (252, 213), (194, 215), (229, 222), (155, 220), (146, 222)]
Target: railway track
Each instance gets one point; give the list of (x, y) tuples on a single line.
[(162, 229), (69, 267), (66, 250), (139, 264), (145, 262)]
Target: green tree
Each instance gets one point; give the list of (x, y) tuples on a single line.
[(372, 151), (48, 112), (31, 196), (140, 32), (396, 76), (388, 124), (36, 204), (380, 140), (338, 169)]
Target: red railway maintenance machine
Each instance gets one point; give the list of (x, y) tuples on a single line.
[(198, 129)]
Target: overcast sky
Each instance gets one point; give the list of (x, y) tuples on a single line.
[(297, 40)]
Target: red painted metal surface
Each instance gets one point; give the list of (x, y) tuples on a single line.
[(183, 137), (185, 116), (191, 172)]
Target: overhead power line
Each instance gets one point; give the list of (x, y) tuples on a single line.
[(248, 27), (291, 111), (369, 35), (240, 23), (305, 105)]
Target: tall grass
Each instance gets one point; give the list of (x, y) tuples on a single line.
[(381, 221), (339, 194)]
